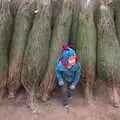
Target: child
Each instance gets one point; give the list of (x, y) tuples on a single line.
[(68, 73)]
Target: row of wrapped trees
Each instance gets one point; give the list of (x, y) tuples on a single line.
[(32, 33)]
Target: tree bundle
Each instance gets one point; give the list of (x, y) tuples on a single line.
[(22, 25), (86, 44), (5, 33), (37, 48)]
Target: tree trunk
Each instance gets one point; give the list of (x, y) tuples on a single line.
[(23, 24), (60, 37), (36, 52), (5, 33), (86, 46)]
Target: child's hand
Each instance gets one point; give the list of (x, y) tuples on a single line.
[(72, 87), (61, 83)]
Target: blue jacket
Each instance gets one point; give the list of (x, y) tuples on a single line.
[(70, 75)]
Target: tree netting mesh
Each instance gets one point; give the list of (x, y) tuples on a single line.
[(36, 52), (5, 32), (86, 39), (23, 23), (108, 44), (86, 45)]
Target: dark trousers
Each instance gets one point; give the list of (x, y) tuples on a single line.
[(66, 92)]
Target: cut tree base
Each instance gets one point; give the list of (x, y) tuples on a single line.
[(3, 92), (115, 97), (32, 103), (11, 95), (88, 94), (45, 97)]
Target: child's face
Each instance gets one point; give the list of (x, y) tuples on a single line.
[(72, 60)]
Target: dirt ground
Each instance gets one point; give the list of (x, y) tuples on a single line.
[(16, 109)]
